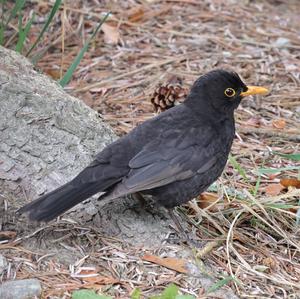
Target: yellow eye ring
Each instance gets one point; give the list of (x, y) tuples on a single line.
[(229, 92)]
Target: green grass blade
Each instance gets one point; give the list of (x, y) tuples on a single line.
[(68, 75), (2, 22), (51, 16), (169, 293), (88, 294), (295, 157), (281, 206), (136, 294), (23, 34), (17, 8), (216, 286), (257, 185), (276, 170), (1, 34), (20, 28), (238, 167)]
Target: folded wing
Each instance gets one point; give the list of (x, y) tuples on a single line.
[(162, 162)]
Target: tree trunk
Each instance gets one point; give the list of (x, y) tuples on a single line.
[(47, 137)]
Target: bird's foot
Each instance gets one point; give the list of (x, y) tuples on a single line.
[(184, 235), (179, 238), (145, 204)]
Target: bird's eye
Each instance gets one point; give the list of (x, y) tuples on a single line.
[(229, 92)]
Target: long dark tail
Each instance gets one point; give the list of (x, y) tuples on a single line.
[(60, 200)]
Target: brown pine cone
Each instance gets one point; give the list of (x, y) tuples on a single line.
[(167, 95)]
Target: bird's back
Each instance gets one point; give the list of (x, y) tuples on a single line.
[(211, 157)]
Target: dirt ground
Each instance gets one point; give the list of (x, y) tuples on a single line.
[(248, 225)]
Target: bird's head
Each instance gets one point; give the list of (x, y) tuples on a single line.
[(221, 90)]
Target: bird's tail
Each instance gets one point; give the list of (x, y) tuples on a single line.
[(58, 201)]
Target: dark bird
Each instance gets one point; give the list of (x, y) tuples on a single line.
[(174, 156)]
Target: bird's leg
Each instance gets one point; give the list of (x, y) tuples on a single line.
[(139, 197), (181, 230), (144, 204)]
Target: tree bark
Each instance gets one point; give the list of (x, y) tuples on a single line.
[(47, 137)]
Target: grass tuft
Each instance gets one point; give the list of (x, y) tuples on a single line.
[(23, 32), (13, 13), (69, 73), (50, 17)]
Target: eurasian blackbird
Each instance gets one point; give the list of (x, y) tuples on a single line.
[(174, 156)]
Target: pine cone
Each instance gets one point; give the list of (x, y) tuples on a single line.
[(167, 95)]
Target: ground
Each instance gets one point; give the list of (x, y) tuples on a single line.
[(251, 224)]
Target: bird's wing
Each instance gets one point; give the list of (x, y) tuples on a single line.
[(179, 167), (168, 159)]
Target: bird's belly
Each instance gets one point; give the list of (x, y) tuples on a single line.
[(180, 192)]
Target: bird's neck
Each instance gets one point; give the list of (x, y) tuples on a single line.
[(202, 106)]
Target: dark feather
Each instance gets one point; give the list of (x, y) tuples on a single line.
[(173, 156)]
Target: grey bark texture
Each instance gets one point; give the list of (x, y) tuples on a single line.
[(46, 138), (21, 289)]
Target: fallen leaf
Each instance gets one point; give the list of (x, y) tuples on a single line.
[(102, 280), (253, 122), (279, 123), (43, 8), (53, 73), (273, 176), (86, 271), (175, 264), (269, 262), (111, 34), (207, 199), (274, 189), (135, 14), (92, 276), (290, 182), (6, 235), (207, 248)]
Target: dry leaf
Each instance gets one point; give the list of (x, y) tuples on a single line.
[(253, 122), (287, 182), (42, 7), (111, 34), (92, 276), (273, 176), (269, 262), (103, 280), (53, 73), (207, 199), (201, 253), (279, 123), (168, 262), (6, 235), (136, 14), (274, 189)]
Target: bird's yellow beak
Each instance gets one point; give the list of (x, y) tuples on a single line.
[(253, 90)]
